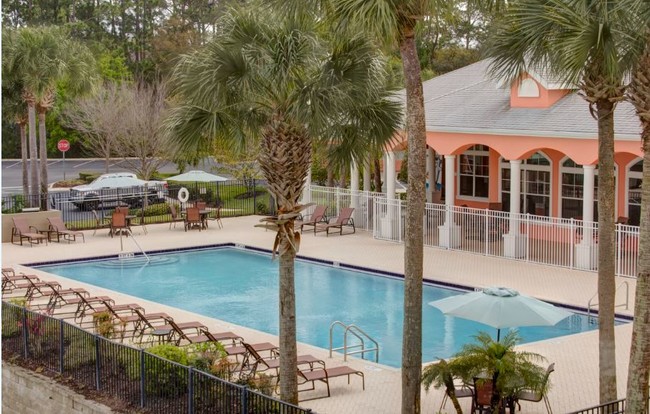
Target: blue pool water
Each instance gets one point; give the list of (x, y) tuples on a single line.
[(241, 287)]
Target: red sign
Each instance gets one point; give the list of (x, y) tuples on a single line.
[(63, 145)]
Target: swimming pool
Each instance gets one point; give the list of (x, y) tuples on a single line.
[(240, 286)]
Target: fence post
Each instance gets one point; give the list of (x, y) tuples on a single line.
[(61, 346), (486, 231), (190, 391), (244, 400), (142, 379), (97, 363), (25, 340), (254, 197), (572, 235)]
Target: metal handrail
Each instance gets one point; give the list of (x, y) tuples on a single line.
[(357, 332), (591, 305), (136, 243)]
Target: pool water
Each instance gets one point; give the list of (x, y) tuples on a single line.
[(241, 287)]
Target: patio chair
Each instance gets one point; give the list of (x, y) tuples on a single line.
[(175, 217), (119, 224), (343, 220), (58, 228), (461, 390), (175, 332), (10, 280), (23, 231), (201, 205), (216, 216), (193, 219), (122, 209), (253, 362), (325, 374), (537, 395), (318, 216), (100, 223), (147, 321), (482, 398)]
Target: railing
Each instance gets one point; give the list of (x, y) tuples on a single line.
[(613, 407), (592, 305), (359, 334), (537, 239), (236, 198), (140, 380), (335, 198)]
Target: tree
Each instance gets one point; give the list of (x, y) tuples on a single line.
[(639, 95), (288, 84), (582, 43), (395, 22), (39, 59)]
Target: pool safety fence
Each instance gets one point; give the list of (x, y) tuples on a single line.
[(544, 240), (613, 407), (84, 211), (133, 377)]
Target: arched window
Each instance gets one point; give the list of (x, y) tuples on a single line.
[(528, 89), (535, 185), (474, 172), (634, 193)]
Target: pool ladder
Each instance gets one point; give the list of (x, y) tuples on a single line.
[(130, 255), (360, 335), (591, 305)]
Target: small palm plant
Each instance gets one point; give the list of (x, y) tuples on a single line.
[(441, 374), (509, 369)]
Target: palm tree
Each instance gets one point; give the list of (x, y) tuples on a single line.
[(507, 367), (394, 22), (288, 85), (42, 59), (582, 42), (639, 366)]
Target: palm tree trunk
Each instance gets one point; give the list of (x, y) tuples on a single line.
[(377, 176), (288, 348), (414, 241), (330, 176), (43, 149), (23, 156), (33, 154), (639, 368), (606, 251)]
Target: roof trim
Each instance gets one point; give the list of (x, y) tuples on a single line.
[(532, 133)]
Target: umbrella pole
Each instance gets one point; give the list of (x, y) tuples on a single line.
[(498, 334)]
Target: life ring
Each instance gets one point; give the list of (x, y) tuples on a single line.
[(183, 195)]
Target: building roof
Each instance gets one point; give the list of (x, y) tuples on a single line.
[(468, 100)]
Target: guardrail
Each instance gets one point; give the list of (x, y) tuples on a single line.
[(613, 407), (140, 380)]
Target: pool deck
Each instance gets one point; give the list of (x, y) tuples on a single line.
[(574, 382)]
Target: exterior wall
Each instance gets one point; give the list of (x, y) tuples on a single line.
[(25, 392), (545, 99)]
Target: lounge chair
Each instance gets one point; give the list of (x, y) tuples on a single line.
[(58, 228), (343, 220), (175, 217), (100, 223), (259, 347), (318, 216), (147, 322), (325, 374), (23, 231), (193, 218), (11, 281), (253, 362)]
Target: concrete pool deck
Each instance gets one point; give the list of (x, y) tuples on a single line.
[(574, 383)]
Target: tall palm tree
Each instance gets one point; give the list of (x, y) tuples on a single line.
[(41, 59), (583, 43), (639, 95), (283, 82), (394, 22)]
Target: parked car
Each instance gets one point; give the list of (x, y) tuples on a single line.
[(117, 188)]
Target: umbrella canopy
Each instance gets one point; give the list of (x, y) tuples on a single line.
[(501, 307), (197, 176)]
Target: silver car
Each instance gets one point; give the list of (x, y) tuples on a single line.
[(117, 188)]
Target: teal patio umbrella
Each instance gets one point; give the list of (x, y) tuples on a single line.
[(501, 307)]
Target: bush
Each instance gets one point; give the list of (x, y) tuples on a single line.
[(261, 209), (152, 210), (15, 206)]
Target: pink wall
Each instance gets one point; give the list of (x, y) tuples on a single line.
[(545, 99)]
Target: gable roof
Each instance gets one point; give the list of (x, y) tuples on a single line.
[(467, 100)]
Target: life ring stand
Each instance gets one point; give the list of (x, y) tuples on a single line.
[(183, 195)]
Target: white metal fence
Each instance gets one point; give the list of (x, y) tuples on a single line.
[(537, 239)]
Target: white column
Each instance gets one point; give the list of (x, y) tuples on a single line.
[(354, 176), (515, 194), (389, 167), (585, 251), (514, 243), (449, 233), (366, 176), (431, 174)]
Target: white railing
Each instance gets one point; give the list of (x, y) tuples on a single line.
[(537, 239)]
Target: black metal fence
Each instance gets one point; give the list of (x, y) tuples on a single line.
[(82, 211), (133, 377), (613, 407)]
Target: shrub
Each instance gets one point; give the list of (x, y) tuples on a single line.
[(103, 323), (152, 210), (261, 209), (162, 377), (15, 206)]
